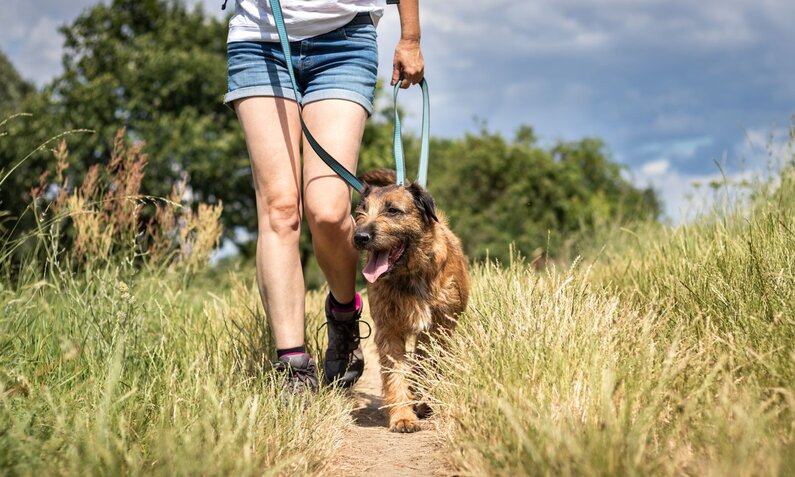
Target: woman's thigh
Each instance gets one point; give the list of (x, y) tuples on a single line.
[(273, 134), (338, 126), (341, 74)]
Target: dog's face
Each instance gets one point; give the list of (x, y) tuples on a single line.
[(390, 221)]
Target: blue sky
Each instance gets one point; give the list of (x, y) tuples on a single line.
[(671, 86)]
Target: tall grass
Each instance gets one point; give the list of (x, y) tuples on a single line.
[(121, 353), (673, 353), (104, 378)]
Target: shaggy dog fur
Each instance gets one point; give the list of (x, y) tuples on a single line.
[(417, 275)]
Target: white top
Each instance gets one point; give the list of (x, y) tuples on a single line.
[(253, 19)]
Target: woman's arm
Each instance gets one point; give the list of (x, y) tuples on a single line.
[(408, 60)]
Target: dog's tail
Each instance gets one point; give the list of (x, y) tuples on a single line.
[(379, 177)]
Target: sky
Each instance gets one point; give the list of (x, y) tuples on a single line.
[(680, 91)]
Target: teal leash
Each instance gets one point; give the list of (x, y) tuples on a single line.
[(400, 166), (338, 168)]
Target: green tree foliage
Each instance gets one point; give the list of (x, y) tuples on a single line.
[(12, 87), (159, 69), (496, 192)]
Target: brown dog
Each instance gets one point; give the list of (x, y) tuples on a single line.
[(417, 279)]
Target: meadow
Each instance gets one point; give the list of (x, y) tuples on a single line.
[(664, 351), (669, 352)]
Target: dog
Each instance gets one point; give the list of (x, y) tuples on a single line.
[(417, 279)]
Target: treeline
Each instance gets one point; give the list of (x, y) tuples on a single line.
[(158, 69)]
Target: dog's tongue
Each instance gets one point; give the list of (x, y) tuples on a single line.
[(376, 266)]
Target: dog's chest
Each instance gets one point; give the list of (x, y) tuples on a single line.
[(407, 308)]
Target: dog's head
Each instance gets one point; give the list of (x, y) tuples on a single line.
[(390, 221)]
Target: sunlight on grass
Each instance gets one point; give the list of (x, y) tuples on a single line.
[(671, 354), (665, 351), (121, 353)]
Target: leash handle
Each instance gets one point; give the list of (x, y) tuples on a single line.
[(400, 166), (335, 166)]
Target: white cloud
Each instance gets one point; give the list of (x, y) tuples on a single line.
[(763, 152), (29, 35), (767, 148), (687, 196), (655, 168), (682, 148)]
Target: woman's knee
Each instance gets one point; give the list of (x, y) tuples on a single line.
[(281, 217), (330, 217)]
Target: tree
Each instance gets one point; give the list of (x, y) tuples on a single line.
[(158, 69), (13, 89), (497, 192)]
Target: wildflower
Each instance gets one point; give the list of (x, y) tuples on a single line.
[(125, 292)]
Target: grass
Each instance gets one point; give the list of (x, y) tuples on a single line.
[(104, 378), (122, 353), (671, 351)]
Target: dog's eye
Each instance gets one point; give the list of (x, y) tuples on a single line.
[(394, 211)]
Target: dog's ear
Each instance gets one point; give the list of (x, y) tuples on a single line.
[(361, 201), (366, 191), (424, 202)]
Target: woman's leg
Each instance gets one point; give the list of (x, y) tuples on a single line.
[(273, 132), (338, 126)]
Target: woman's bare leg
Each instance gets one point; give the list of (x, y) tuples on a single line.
[(273, 132), (338, 126)]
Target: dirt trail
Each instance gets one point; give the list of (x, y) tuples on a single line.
[(369, 449)]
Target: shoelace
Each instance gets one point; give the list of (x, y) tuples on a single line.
[(303, 375), (349, 331)]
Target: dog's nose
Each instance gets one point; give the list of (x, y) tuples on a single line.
[(362, 238)]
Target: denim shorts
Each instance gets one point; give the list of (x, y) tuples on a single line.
[(340, 64)]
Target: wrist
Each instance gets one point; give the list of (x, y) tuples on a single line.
[(410, 39)]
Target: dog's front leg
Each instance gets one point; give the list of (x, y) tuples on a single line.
[(397, 395)]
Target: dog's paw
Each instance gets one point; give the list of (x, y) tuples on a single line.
[(422, 410), (404, 425)]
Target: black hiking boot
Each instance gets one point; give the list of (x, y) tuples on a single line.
[(299, 373), (344, 362)]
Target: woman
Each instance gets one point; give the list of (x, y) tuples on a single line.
[(335, 57)]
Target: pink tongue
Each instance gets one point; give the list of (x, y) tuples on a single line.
[(376, 266)]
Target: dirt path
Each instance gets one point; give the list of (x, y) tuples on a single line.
[(369, 449)]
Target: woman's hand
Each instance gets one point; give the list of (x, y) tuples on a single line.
[(408, 63)]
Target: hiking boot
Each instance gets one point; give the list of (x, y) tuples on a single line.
[(344, 362), (299, 372)]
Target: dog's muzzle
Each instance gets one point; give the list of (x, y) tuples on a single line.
[(362, 238)]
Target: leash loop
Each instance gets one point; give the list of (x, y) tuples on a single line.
[(400, 166)]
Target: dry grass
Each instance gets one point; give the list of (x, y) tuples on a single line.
[(102, 221), (671, 354), (108, 374), (113, 363)]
